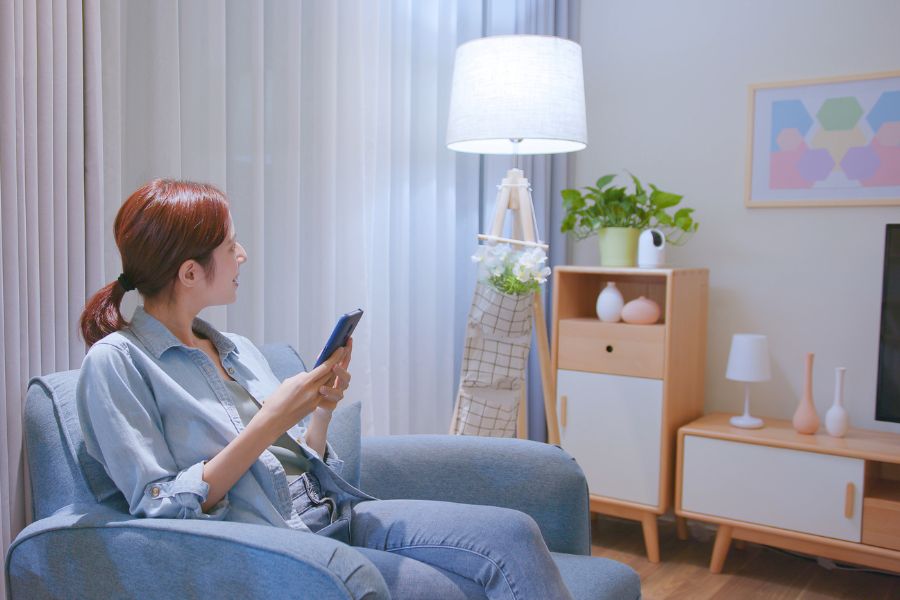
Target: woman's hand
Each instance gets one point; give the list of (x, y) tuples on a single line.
[(332, 393), (298, 396)]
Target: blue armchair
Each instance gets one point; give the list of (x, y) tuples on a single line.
[(84, 543)]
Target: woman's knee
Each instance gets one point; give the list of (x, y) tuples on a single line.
[(519, 526)]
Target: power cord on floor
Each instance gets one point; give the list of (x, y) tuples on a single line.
[(827, 563)]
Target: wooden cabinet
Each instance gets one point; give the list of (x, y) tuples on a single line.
[(623, 390), (833, 497), (803, 491)]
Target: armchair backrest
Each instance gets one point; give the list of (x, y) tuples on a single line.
[(63, 473)]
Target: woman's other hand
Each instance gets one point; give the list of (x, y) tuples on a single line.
[(332, 393)]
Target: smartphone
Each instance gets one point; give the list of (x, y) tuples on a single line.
[(343, 329)]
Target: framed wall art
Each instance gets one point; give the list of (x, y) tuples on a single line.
[(825, 142)]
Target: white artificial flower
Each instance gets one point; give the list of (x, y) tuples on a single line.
[(500, 252), (522, 272)]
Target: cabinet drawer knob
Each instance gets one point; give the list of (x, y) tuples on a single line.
[(563, 410), (609, 349), (848, 500)]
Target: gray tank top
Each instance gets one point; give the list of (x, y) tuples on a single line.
[(286, 450)]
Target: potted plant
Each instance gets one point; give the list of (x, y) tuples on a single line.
[(618, 216)]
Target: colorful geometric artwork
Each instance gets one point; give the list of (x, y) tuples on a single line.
[(825, 142)]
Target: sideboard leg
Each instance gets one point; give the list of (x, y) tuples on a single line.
[(651, 536), (720, 548)]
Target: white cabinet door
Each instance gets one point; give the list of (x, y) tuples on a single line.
[(613, 428), (779, 487)]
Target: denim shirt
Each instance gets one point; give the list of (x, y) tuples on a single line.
[(153, 410)]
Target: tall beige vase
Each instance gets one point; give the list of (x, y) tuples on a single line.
[(806, 420)]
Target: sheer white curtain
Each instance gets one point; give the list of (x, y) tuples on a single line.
[(324, 122), (50, 209)]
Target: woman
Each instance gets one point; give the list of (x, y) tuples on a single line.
[(191, 423)]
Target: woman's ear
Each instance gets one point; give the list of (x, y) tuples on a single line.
[(189, 273)]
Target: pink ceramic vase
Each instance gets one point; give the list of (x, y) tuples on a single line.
[(806, 420), (641, 311)]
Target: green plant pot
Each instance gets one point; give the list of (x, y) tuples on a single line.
[(618, 246)]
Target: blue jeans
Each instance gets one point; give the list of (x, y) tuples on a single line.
[(497, 552)]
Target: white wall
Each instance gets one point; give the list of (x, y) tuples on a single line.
[(666, 86)]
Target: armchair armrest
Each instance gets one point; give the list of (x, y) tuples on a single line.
[(538, 479), (104, 553)]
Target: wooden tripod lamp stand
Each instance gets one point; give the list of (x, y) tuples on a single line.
[(519, 94)]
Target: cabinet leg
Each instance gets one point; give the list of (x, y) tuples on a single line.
[(681, 527), (720, 548), (651, 536)]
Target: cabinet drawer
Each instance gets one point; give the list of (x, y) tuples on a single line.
[(779, 487), (881, 523), (612, 426), (617, 348)]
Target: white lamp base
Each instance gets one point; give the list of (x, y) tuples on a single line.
[(747, 422)]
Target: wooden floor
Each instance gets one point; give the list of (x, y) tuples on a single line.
[(752, 572)]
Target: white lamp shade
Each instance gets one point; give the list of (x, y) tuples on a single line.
[(749, 358), (527, 87)]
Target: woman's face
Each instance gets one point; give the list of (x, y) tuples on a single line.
[(226, 259)]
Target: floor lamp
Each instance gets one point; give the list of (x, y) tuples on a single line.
[(519, 94)]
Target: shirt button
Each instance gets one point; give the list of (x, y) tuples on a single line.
[(154, 491), (231, 370)]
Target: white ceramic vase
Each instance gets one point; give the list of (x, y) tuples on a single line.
[(837, 421), (610, 303)]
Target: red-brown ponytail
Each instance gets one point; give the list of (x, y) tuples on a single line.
[(157, 229)]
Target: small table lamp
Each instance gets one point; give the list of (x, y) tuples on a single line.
[(748, 362)]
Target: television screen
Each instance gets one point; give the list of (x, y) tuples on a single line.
[(887, 405)]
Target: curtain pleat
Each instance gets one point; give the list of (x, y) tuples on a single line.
[(51, 207)]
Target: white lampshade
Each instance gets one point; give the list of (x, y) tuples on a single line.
[(749, 358), (527, 87)]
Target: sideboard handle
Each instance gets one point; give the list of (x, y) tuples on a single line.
[(848, 500), (563, 409)]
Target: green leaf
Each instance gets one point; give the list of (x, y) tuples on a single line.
[(603, 181), (663, 218), (661, 199), (572, 200), (683, 212), (638, 189)]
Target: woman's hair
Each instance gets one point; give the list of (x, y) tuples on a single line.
[(157, 229)]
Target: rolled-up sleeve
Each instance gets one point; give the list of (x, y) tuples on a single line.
[(123, 431)]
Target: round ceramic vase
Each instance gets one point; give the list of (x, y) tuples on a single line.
[(610, 303), (641, 311)]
